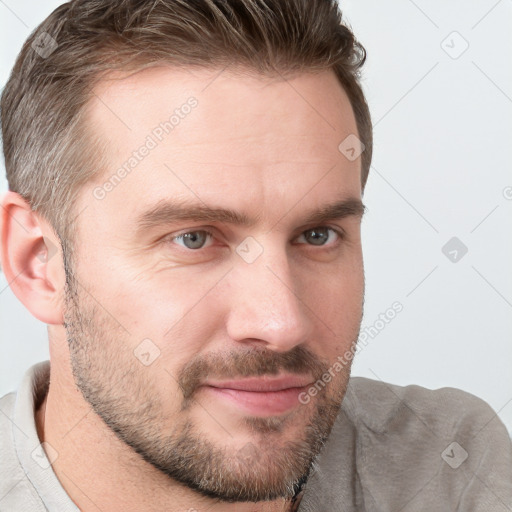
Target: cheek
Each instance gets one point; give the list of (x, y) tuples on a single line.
[(145, 301), (172, 319), (337, 292), (337, 306)]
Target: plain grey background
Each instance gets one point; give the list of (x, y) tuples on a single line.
[(439, 83)]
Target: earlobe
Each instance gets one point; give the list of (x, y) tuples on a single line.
[(31, 259)]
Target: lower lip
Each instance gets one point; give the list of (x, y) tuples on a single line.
[(261, 403)]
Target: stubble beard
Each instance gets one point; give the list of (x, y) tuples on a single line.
[(120, 391)]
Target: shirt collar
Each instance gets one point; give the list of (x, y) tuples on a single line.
[(32, 456)]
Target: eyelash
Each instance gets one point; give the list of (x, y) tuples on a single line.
[(338, 231)]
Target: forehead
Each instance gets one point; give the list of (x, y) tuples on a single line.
[(223, 136)]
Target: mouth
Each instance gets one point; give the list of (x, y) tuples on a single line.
[(260, 396)]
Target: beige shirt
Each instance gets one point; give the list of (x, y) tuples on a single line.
[(392, 449)]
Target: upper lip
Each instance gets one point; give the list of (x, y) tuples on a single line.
[(262, 383)]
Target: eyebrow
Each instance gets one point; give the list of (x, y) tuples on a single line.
[(168, 211)]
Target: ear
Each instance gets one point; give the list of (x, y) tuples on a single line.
[(31, 257)]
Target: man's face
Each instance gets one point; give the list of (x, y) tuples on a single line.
[(164, 308)]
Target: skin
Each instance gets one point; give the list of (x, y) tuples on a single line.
[(267, 148)]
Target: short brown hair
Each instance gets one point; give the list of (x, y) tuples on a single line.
[(48, 153)]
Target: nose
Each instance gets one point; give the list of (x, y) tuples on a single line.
[(265, 307)]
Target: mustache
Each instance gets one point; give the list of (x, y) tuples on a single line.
[(248, 363)]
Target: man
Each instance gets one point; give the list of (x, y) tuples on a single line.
[(184, 213)]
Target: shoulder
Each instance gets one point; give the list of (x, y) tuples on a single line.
[(427, 447), (383, 407), (16, 491), (6, 423)]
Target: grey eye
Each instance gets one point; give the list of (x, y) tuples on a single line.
[(317, 236), (194, 239)]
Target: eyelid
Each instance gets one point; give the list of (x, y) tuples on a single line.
[(339, 230), (190, 230)]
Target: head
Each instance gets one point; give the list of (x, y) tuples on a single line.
[(187, 161)]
